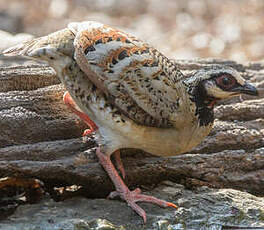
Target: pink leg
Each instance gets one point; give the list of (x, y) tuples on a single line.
[(131, 197), (74, 108), (119, 163), (92, 127)]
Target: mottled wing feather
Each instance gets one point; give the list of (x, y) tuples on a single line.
[(136, 78)]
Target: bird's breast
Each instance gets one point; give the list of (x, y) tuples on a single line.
[(157, 141), (173, 142)]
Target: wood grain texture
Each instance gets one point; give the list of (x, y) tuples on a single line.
[(40, 138)]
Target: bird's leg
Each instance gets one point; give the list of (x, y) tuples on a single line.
[(131, 197), (75, 109), (119, 163), (92, 127)]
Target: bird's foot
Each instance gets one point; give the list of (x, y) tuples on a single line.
[(131, 197)]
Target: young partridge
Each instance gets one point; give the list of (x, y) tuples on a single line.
[(132, 96)]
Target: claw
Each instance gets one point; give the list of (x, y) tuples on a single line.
[(169, 204), (113, 195), (138, 210)]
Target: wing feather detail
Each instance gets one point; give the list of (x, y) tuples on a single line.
[(135, 77)]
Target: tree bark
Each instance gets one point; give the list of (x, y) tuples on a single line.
[(40, 138)]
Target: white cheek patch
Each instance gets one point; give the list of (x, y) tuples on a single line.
[(214, 91)]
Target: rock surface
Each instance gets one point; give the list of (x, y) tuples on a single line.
[(205, 208)]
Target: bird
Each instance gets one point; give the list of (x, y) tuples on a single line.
[(132, 96)]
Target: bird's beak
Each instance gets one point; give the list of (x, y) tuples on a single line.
[(246, 89)]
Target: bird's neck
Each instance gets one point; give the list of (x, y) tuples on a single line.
[(204, 106)]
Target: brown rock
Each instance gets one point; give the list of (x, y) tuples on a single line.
[(40, 138)]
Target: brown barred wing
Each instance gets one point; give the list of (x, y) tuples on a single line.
[(135, 77)]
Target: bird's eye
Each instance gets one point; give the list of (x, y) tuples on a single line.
[(226, 81)]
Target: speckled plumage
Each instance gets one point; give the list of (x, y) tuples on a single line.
[(131, 73), (137, 97)]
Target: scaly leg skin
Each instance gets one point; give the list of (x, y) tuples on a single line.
[(131, 197), (75, 109), (119, 163)]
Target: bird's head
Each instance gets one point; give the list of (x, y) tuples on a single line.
[(219, 82), (209, 85)]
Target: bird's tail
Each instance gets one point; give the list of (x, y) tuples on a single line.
[(61, 40), (20, 49)]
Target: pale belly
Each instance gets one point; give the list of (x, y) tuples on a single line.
[(157, 141)]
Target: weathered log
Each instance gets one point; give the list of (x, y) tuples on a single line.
[(40, 137)]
